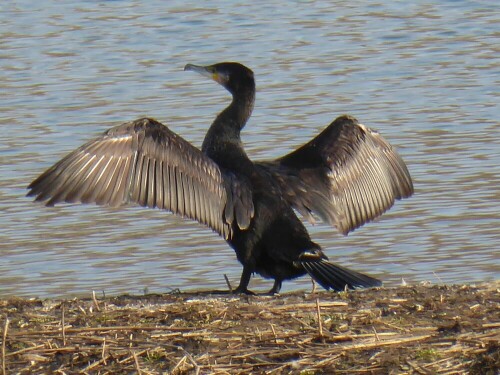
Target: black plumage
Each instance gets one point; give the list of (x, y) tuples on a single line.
[(347, 176)]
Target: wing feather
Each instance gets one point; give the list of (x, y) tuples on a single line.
[(348, 175), (146, 163), (167, 187)]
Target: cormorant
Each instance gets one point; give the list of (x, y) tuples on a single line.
[(347, 175)]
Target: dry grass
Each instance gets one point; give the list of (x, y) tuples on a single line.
[(407, 330)]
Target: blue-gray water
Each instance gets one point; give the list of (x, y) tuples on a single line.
[(425, 74)]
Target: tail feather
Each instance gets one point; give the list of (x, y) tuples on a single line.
[(332, 276), (324, 278)]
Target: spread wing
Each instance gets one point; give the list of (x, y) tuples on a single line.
[(347, 175), (146, 163)]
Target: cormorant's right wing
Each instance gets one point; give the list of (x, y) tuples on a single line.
[(145, 162), (347, 175)]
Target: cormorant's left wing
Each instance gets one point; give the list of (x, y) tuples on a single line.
[(347, 175), (146, 163)]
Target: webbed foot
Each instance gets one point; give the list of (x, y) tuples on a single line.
[(243, 290)]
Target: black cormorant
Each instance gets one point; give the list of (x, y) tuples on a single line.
[(347, 176)]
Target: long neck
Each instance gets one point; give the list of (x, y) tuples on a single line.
[(222, 142)]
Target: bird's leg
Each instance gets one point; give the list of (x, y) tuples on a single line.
[(276, 287), (244, 281)]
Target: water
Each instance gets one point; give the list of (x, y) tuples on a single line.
[(426, 75)]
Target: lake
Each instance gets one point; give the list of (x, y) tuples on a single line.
[(426, 75)]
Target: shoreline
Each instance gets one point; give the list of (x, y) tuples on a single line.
[(414, 329)]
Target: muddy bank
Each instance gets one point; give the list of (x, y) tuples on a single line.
[(407, 330)]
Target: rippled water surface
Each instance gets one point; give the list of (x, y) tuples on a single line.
[(426, 75)]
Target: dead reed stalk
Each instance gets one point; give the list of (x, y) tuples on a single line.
[(4, 340)]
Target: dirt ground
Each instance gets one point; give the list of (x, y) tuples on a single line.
[(418, 329)]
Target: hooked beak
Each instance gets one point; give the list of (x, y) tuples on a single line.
[(208, 71)]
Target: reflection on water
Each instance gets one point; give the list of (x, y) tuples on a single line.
[(425, 75)]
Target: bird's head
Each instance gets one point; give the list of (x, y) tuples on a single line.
[(235, 77)]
